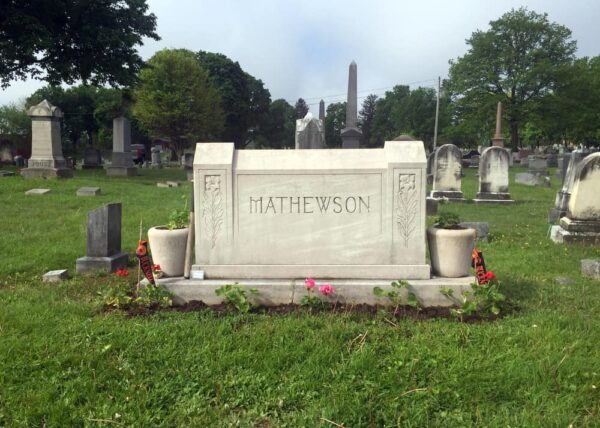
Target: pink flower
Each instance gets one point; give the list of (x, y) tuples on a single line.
[(327, 289), (310, 283)]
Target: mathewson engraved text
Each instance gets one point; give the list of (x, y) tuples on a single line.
[(309, 204)]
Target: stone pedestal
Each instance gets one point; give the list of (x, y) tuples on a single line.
[(103, 241), (122, 160), (47, 159), (493, 176), (351, 138)]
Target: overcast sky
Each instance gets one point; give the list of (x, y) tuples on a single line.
[(303, 49)]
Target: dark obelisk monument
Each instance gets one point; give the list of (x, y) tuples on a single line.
[(351, 135), (322, 111)]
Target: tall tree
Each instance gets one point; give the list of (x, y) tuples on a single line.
[(280, 125), (335, 120), (245, 100), (301, 108), (366, 116), (175, 99), (388, 121), (521, 58), (14, 120), (70, 40)]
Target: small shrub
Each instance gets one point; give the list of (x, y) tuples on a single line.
[(236, 296), (395, 297), (485, 299), (122, 294)]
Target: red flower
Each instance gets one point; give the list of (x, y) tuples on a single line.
[(490, 276), (326, 289), (122, 272), (155, 268)]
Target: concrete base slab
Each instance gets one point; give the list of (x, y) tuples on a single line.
[(47, 173), (103, 264), (453, 196), (273, 292), (37, 191), (566, 237), (493, 201), (121, 171), (385, 272)]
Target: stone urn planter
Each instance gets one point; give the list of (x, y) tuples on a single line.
[(168, 249), (450, 248)]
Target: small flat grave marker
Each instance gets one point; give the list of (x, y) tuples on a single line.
[(163, 185), (6, 173), (56, 275), (173, 183), (37, 191), (88, 191)]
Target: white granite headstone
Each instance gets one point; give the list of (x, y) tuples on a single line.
[(355, 213)]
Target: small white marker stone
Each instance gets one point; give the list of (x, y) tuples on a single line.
[(56, 275), (88, 191), (37, 191)]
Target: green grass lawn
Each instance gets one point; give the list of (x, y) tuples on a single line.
[(64, 362)]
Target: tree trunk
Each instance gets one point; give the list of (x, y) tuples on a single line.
[(514, 135)]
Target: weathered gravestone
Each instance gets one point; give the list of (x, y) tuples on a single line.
[(19, 161), (310, 133), (6, 153), (187, 163), (281, 214), (103, 241), (561, 203), (538, 165), (493, 176), (552, 160), (46, 149), (582, 221), (527, 179), (122, 158), (156, 161), (447, 170), (430, 160), (351, 135), (92, 159)]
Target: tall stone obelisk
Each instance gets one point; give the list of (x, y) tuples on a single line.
[(351, 135), (322, 111), (498, 140)]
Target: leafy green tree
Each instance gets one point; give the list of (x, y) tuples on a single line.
[(366, 116), (280, 126), (245, 100), (175, 99), (301, 108), (519, 60), (571, 111), (14, 120), (335, 120), (70, 40), (388, 120)]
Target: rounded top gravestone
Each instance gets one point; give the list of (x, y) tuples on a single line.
[(493, 170), (447, 168), (584, 203)]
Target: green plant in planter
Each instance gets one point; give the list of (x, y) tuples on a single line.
[(447, 220), (178, 219)]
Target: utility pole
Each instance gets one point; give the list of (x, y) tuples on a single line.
[(437, 114)]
